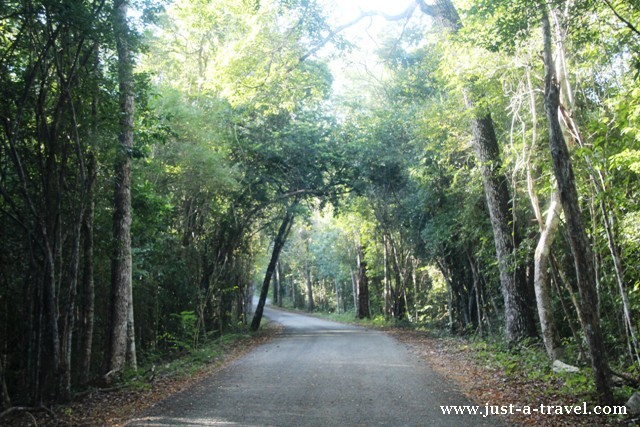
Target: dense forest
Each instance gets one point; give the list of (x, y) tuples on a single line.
[(163, 161)]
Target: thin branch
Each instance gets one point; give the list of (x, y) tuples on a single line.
[(627, 23)]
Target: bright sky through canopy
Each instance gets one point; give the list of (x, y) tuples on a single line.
[(365, 34)]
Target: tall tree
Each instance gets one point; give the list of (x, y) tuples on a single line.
[(518, 312), (121, 331), (580, 247)]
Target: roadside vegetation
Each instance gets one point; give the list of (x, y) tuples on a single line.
[(475, 173)]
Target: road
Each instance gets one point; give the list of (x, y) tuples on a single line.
[(318, 373)]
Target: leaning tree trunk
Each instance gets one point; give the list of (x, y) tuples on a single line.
[(580, 248), (120, 328), (519, 319), (278, 244)]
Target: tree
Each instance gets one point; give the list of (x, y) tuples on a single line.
[(580, 248), (121, 328), (278, 243), (518, 315)]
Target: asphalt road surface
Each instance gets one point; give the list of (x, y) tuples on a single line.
[(318, 373)]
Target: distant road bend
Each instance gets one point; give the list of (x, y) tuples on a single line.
[(317, 373)]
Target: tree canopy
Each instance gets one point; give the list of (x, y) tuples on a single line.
[(476, 172)]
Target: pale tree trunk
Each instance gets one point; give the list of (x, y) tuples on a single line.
[(548, 229), (414, 279), (276, 285), (354, 289), (519, 320), (121, 320), (387, 285), (580, 248), (541, 279)]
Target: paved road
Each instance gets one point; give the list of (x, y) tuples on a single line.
[(317, 373)]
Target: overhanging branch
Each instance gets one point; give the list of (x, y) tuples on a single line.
[(406, 14)]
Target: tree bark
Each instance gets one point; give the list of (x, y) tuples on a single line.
[(120, 327), (478, 292), (69, 315), (519, 319), (387, 284), (307, 276), (278, 244), (541, 282), (88, 287), (580, 248), (607, 219), (276, 286), (363, 287), (336, 289), (5, 399)]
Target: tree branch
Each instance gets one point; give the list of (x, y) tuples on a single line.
[(627, 23), (406, 14)]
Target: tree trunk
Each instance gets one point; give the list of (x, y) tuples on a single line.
[(281, 285), (120, 327), (519, 320), (399, 296), (86, 316), (387, 285), (607, 220), (336, 288), (541, 282), (87, 285), (580, 248), (448, 282), (69, 315), (278, 244), (276, 286), (363, 287), (307, 276), (5, 400), (478, 294)]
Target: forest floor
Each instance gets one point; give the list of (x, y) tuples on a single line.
[(453, 358), (115, 405), (485, 383)]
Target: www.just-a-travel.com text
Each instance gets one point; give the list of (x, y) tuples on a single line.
[(488, 410)]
